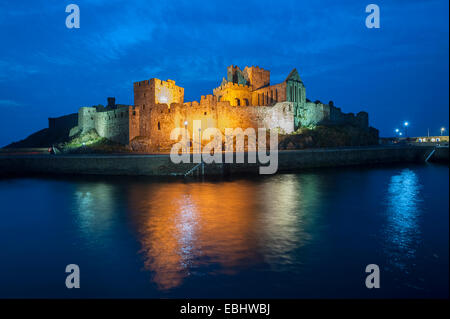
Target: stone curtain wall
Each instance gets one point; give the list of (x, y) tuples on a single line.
[(134, 122), (212, 113), (311, 114), (113, 125), (86, 118), (118, 125)]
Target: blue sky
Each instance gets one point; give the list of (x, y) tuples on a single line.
[(398, 72)]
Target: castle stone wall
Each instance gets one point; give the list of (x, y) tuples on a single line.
[(312, 114), (113, 125), (119, 124), (269, 95), (245, 100), (86, 120), (154, 91), (236, 94), (221, 115), (256, 77)]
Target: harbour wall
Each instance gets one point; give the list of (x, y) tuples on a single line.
[(161, 164)]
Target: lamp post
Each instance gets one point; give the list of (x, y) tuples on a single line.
[(442, 130), (396, 131), (199, 140), (186, 136), (406, 128), (200, 149)]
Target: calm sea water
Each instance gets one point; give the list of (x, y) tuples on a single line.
[(301, 235)]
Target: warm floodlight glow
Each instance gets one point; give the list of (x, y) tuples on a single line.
[(406, 123), (163, 99)]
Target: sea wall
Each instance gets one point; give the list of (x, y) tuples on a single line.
[(161, 165), (440, 155)]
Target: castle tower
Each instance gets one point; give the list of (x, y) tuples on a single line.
[(235, 75), (257, 77), (148, 93)]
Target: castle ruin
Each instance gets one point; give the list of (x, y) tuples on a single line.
[(245, 99)]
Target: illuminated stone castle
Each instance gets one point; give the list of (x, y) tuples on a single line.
[(245, 99)]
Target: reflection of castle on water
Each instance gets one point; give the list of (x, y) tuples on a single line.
[(221, 227), (225, 227), (188, 229)]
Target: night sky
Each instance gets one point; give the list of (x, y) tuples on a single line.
[(396, 73)]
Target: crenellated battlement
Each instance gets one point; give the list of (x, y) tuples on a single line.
[(256, 68), (141, 83), (169, 83), (229, 85)]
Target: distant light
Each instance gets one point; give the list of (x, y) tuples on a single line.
[(163, 99), (396, 130), (185, 123), (442, 129), (84, 143), (406, 123), (401, 133)]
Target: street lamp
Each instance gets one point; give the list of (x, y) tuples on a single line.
[(186, 136), (442, 130), (406, 128), (200, 140)]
